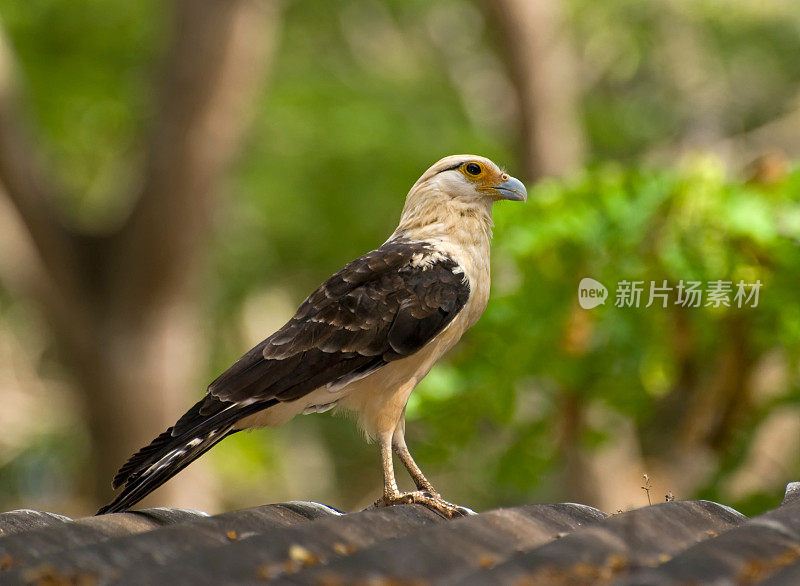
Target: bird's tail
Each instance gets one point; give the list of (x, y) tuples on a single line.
[(204, 425)]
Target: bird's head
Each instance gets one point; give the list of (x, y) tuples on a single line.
[(470, 178), (459, 186)]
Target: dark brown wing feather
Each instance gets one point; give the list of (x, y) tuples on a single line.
[(378, 308)]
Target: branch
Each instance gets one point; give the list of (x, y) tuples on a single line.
[(212, 74), (778, 135), (776, 138)]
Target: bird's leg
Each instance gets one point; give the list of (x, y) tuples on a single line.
[(426, 495), (390, 490), (400, 448)]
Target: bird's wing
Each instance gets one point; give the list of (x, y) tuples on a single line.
[(381, 307)]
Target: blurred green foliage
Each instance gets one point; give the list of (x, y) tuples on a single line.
[(87, 70), (340, 135), (657, 70)]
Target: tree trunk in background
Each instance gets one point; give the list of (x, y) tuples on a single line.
[(543, 70), (124, 307)]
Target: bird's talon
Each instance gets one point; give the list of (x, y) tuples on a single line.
[(427, 500)]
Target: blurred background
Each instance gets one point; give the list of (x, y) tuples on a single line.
[(176, 177)]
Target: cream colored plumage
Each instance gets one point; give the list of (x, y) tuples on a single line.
[(363, 340)]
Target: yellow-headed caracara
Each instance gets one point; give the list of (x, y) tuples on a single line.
[(362, 341)]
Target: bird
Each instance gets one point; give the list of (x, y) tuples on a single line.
[(361, 342)]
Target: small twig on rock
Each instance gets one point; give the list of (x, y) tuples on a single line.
[(646, 487)]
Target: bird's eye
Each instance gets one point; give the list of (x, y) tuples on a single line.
[(473, 168)]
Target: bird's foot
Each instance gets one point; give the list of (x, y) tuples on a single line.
[(434, 502)]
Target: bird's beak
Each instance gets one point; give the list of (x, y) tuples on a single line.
[(512, 189)]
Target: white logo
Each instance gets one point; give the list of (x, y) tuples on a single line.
[(591, 293)]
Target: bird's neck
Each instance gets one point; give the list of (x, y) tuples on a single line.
[(442, 219)]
